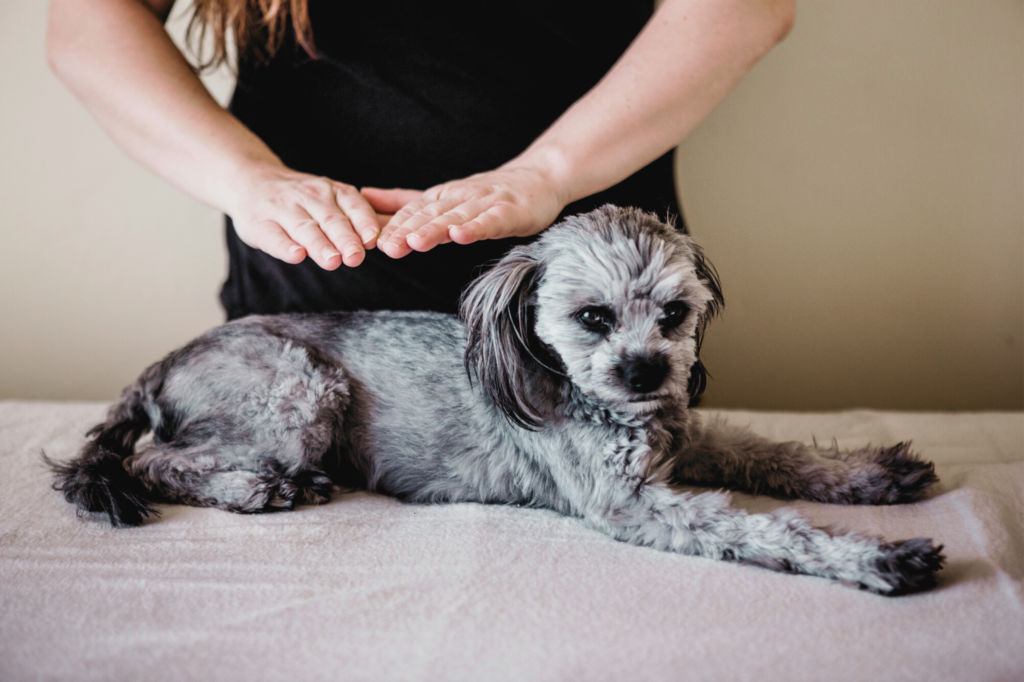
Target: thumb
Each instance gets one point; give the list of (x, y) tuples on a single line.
[(389, 200)]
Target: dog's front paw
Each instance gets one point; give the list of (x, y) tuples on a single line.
[(889, 475), (905, 567)]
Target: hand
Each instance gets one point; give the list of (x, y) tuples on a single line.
[(290, 215), (507, 202)]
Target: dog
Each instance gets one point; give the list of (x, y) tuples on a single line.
[(567, 385)]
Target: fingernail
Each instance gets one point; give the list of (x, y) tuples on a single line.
[(295, 249), (367, 236), (349, 253), (330, 253)]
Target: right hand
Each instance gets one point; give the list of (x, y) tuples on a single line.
[(290, 215)]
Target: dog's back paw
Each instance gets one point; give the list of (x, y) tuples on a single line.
[(306, 487), (889, 475), (270, 490)]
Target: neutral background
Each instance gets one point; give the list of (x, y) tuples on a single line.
[(861, 193)]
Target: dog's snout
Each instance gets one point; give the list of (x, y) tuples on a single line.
[(645, 374)]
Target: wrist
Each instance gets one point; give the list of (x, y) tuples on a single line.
[(553, 165), (241, 178)]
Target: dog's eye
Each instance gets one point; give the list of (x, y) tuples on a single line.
[(674, 314), (596, 318)]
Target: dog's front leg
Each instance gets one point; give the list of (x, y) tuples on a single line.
[(732, 457), (705, 525)]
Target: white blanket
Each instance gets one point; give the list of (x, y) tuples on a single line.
[(368, 588)]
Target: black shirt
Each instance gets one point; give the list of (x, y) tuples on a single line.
[(411, 94)]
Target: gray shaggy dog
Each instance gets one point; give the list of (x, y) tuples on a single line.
[(566, 386)]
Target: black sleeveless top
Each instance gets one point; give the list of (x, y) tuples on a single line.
[(411, 94)]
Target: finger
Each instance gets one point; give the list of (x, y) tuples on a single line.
[(392, 236), (430, 235), (270, 238), (338, 229), (359, 212), (494, 223), (389, 200), (400, 216), (436, 231), (422, 216), (304, 230), (395, 246)]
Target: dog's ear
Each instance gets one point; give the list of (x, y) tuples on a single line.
[(708, 276), (697, 382), (496, 309)]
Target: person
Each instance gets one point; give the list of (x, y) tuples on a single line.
[(375, 155)]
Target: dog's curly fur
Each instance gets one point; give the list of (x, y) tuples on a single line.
[(567, 387)]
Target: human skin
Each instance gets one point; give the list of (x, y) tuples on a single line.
[(119, 61)]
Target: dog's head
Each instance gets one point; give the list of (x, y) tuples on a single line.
[(614, 301)]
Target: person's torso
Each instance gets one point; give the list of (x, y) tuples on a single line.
[(411, 94), (414, 93)]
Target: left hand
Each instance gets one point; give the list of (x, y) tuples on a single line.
[(507, 202)]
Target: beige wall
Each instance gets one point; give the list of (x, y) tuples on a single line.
[(862, 194), (103, 267)]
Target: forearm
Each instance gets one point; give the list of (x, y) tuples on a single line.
[(688, 57), (119, 61)]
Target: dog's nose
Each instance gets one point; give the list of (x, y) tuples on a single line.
[(644, 375)]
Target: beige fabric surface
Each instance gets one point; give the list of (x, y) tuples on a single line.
[(367, 588)]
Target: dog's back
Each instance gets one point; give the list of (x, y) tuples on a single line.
[(416, 425)]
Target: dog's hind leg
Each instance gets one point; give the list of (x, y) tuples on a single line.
[(731, 457), (196, 476), (249, 428)]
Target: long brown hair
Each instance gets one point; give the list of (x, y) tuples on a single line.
[(259, 27)]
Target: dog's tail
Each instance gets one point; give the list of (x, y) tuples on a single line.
[(96, 480)]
